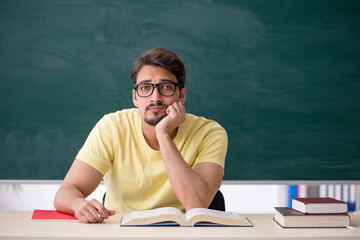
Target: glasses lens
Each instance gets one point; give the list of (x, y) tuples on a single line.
[(145, 89), (167, 89)]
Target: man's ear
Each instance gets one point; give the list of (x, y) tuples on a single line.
[(183, 95), (134, 98)]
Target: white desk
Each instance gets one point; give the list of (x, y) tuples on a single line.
[(17, 225)]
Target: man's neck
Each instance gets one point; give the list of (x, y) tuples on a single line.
[(150, 135)]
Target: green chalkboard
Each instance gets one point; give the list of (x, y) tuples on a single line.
[(282, 77)]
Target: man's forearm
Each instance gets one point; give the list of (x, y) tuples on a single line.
[(67, 199), (190, 188)]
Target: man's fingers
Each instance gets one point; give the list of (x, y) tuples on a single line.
[(94, 214), (101, 211), (89, 217), (111, 212), (177, 107), (92, 211)]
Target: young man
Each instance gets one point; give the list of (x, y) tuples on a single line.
[(152, 156)]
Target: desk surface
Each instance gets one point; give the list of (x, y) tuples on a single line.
[(17, 225)]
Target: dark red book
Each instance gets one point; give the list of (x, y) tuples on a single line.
[(44, 215), (319, 205)]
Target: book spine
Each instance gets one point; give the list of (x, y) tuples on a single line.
[(357, 201), (352, 198), (283, 195), (323, 190), (312, 191), (331, 190), (307, 191), (292, 193), (302, 191), (338, 192), (346, 193)]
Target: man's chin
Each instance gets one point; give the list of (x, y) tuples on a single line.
[(155, 120)]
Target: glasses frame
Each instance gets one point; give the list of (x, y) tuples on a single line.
[(156, 85)]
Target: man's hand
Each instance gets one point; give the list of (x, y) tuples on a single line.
[(176, 115), (92, 211)]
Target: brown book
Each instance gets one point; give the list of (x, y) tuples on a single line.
[(289, 218)]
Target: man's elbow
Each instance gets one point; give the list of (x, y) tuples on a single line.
[(60, 199), (57, 201)]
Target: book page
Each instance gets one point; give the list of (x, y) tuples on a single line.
[(204, 211), (207, 217), (155, 212), (153, 216)]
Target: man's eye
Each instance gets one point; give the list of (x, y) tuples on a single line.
[(167, 86), (145, 87)]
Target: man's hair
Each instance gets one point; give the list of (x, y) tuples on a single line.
[(160, 57)]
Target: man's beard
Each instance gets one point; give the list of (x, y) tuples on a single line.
[(157, 118)]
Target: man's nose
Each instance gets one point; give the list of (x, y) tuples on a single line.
[(156, 96)]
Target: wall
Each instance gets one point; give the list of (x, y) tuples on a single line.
[(252, 198), (239, 198)]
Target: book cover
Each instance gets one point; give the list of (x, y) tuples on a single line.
[(44, 215), (319, 205), (288, 217)]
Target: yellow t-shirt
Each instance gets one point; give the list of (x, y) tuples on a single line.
[(134, 174)]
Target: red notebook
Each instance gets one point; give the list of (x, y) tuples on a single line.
[(51, 215), (320, 205)]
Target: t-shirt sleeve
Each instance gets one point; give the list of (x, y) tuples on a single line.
[(214, 145), (98, 149)]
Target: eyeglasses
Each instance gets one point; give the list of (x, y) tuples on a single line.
[(166, 89)]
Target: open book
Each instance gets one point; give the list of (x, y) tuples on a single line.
[(170, 216)]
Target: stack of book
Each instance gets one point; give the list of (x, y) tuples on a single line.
[(313, 212)]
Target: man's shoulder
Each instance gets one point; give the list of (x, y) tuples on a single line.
[(200, 121), (130, 113), (126, 115), (209, 131)]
